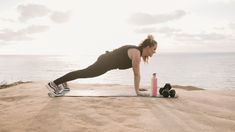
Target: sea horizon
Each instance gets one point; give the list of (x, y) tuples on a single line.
[(184, 68)]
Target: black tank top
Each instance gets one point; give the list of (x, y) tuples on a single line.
[(119, 57)]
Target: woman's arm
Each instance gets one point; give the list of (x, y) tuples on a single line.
[(134, 54), (136, 80)]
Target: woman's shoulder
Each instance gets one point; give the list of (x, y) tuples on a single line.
[(125, 48), (133, 49), (129, 46)]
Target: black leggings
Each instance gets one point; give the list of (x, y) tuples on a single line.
[(103, 64)]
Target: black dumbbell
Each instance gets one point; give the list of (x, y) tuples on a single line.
[(172, 93), (160, 91), (165, 93), (165, 90)]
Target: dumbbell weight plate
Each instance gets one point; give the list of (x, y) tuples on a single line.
[(172, 93), (165, 93)]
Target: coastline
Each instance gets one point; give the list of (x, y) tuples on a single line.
[(4, 84), (26, 107)]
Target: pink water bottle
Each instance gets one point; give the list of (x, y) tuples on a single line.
[(154, 85)]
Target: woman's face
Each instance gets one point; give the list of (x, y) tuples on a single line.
[(151, 50)]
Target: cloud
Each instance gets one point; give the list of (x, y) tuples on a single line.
[(31, 11), (22, 34), (162, 30), (60, 17), (146, 30), (200, 37), (179, 35), (7, 20), (34, 29), (148, 19), (26, 13)]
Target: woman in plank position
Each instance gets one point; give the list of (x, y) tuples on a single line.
[(125, 57)]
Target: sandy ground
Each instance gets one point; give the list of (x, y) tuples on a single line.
[(27, 108)]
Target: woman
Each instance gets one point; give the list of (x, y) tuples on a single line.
[(122, 58)]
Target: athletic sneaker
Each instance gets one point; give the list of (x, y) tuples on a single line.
[(53, 88), (65, 86)]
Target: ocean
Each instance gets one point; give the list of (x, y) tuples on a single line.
[(204, 70)]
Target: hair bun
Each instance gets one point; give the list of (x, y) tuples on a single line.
[(150, 37)]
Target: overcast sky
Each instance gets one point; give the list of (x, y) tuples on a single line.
[(94, 26)]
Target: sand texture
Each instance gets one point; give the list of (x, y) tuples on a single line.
[(27, 108)]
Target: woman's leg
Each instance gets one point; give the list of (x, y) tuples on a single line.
[(100, 67)]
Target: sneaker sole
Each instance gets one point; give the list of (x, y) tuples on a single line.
[(51, 95), (66, 89), (54, 95)]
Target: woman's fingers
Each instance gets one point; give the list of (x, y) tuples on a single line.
[(143, 94), (143, 89)]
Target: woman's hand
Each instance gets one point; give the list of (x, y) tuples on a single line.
[(143, 89), (144, 94)]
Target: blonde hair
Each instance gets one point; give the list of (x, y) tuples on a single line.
[(148, 42)]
